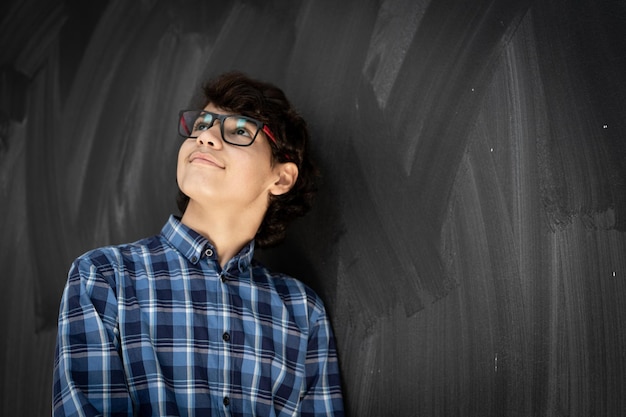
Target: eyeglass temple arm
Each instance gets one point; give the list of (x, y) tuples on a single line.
[(269, 134), (184, 125)]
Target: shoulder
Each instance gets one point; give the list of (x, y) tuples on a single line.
[(293, 292), (106, 261), (112, 254)]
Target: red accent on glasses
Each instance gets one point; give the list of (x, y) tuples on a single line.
[(269, 134), (184, 125)]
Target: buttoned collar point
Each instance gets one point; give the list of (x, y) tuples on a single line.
[(193, 246)]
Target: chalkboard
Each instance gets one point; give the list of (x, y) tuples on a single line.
[(469, 233)]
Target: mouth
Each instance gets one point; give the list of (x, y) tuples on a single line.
[(205, 159)]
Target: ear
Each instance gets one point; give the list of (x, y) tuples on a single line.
[(287, 176)]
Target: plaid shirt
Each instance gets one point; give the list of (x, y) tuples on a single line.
[(157, 328)]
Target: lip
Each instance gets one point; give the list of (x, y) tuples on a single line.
[(205, 158)]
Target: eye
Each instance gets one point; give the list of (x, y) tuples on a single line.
[(242, 132), (203, 122), (240, 126), (201, 126)]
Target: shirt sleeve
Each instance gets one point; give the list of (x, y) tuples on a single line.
[(323, 383), (88, 377)]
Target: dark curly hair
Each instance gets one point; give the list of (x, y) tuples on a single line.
[(237, 93)]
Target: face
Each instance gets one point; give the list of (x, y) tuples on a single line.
[(211, 171)]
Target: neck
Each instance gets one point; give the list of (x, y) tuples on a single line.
[(228, 231)]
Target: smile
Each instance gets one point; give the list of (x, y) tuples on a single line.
[(205, 159)]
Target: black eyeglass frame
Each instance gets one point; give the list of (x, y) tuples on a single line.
[(221, 117)]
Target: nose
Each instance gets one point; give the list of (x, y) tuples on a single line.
[(211, 137)]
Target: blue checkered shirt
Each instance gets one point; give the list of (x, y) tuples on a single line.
[(158, 328)]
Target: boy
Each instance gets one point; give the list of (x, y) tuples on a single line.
[(186, 322)]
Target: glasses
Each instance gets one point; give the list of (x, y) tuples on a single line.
[(236, 129)]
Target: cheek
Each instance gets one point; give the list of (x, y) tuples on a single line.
[(182, 159)]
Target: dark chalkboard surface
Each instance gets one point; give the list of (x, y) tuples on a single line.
[(469, 234)]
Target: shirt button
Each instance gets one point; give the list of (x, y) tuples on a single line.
[(208, 252), (194, 259), (226, 401), (226, 337)]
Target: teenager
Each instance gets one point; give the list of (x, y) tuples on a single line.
[(187, 322)]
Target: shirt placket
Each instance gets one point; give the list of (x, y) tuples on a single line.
[(218, 372), (224, 339)]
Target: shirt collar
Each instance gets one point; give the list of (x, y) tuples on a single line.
[(193, 246)]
